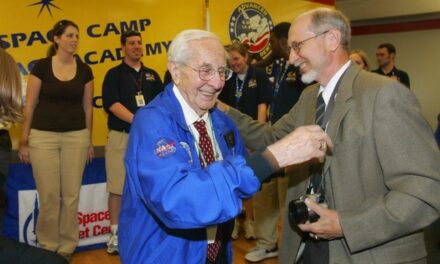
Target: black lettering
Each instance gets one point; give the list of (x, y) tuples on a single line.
[(90, 31)]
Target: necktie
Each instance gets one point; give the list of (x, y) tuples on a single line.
[(320, 110), (315, 180), (205, 144), (206, 158), (317, 251)]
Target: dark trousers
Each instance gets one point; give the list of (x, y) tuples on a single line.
[(12, 251)]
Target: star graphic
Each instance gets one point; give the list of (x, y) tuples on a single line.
[(45, 4)]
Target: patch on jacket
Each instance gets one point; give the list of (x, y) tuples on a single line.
[(149, 77), (165, 147)]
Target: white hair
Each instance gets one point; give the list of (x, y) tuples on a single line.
[(180, 51)]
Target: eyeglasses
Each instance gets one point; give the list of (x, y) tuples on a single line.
[(206, 73), (296, 46)]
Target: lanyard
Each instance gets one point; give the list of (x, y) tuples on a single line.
[(138, 81), (278, 81), (280, 78), (239, 89)]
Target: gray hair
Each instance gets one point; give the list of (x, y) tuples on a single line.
[(180, 51), (323, 19)]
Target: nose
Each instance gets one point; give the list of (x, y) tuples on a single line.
[(216, 81), (293, 57)]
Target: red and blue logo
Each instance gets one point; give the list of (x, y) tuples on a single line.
[(250, 24)]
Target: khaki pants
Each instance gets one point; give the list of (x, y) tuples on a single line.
[(268, 208), (58, 160), (114, 161)]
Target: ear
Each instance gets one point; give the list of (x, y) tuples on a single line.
[(333, 39), (174, 71), (56, 39)]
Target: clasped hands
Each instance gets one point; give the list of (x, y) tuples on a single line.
[(303, 144)]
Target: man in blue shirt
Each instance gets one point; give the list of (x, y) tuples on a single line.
[(184, 185)]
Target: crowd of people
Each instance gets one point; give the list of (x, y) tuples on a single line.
[(223, 135)]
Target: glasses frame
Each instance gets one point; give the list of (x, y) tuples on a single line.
[(227, 72), (296, 46)]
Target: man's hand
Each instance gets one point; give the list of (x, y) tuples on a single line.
[(327, 227), (303, 144)]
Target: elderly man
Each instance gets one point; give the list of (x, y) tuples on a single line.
[(186, 171), (381, 182)]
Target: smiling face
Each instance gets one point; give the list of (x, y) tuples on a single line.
[(68, 41), (133, 48), (238, 62), (199, 94), (311, 57)]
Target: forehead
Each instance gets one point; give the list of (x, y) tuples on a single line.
[(70, 29), (382, 51), (133, 38), (235, 53), (299, 29), (207, 52), (355, 56)]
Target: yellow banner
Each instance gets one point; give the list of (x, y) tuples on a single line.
[(25, 26)]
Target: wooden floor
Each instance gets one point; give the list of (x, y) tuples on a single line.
[(100, 256)]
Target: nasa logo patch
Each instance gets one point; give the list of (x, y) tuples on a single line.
[(165, 147), (250, 24)]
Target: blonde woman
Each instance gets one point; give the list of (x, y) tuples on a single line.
[(10, 109)]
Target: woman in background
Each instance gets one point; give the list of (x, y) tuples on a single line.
[(250, 91), (360, 58), (10, 110), (12, 251), (56, 137)]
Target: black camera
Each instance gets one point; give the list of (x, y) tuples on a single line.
[(300, 213)]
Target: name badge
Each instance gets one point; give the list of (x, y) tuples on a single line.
[(140, 101)]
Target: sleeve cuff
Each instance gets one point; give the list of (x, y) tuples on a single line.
[(262, 163)]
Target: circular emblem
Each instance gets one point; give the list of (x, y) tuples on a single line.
[(251, 24)]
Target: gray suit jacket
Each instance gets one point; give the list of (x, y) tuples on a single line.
[(383, 176)]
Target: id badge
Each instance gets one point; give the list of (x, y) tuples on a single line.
[(140, 100)]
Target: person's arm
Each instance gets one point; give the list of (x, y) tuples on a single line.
[(88, 111), (163, 171), (32, 94), (410, 164), (111, 96), (262, 112), (121, 112)]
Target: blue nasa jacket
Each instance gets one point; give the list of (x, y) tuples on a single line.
[(168, 199)]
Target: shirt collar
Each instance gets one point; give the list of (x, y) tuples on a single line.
[(328, 90), (190, 115)]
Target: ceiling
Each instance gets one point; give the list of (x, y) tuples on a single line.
[(386, 11)]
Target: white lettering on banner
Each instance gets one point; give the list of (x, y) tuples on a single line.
[(93, 215), (28, 205)]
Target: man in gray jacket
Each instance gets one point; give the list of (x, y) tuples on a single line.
[(381, 182)]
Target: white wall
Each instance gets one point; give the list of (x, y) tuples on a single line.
[(418, 53)]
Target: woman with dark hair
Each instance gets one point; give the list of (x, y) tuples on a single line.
[(56, 137)]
